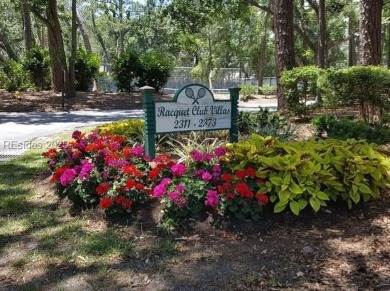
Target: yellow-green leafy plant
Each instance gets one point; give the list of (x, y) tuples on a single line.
[(297, 174), (133, 129)]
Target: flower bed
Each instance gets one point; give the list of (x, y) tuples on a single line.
[(236, 181)]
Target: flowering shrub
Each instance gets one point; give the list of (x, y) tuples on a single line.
[(101, 169), (206, 182), (104, 170)]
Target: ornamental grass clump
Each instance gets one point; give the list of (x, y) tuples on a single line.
[(102, 170)]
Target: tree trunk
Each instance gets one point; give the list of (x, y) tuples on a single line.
[(322, 39), (121, 38), (263, 52), (28, 34), (370, 31), (84, 34), (351, 44), (56, 48), (284, 37), (388, 46), (71, 92), (7, 46)]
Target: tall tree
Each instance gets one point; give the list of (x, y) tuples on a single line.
[(284, 36), (73, 53), (370, 31), (28, 34), (59, 69)]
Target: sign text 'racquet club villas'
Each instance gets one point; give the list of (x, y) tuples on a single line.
[(193, 108)]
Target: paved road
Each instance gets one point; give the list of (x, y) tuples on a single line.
[(22, 131)]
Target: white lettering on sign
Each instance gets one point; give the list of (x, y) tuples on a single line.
[(194, 109)]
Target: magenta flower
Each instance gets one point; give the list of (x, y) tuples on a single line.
[(196, 155), (180, 188), (179, 169), (159, 191), (67, 177), (105, 175), (165, 182), (77, 134), (212, 198), (199, 173), (86, 169), (208, 157), (207, 176), (217, 168), (138, 151), (220, 151), (174, 195)]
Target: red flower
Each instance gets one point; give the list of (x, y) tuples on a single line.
[(230, 195), (127, 151), (106, 202), (153, 174), (139, 186), (250, 172), (57, 174), (132, 170), (227, 177), (244, 190), (264, 199), (241, 174), (51, 153), (118, 199), (102, 188), (126, 203), (130, 183)]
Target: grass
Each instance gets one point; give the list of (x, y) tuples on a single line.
[(37, 232)]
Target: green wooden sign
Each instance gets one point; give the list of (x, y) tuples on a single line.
[(193, 108)]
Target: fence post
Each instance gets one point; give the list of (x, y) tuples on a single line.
[(234, 95), (150, 120)]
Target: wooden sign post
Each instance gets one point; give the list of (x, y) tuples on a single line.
[(193, 108)]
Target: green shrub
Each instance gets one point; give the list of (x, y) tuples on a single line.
[(126, 69), (346, 128), (155, 70), (133, 129), (14, 77), (37, 63), (366, 86), (264, 123), (300, 84), (86, 69), (298, 174), (248, 90), (268, 89)]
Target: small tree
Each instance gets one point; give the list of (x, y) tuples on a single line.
[(37, 63), (299, 84), (86, 69), (126, 69), (155, 70)]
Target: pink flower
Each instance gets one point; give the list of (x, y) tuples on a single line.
[(212, 198), (77, 134), (217, 168), (179, 169), (138, 151), (199, 172), (86, 169), (220, 151), (159, 191), (208, 157), (207, 176), (196, 155), (67, 177), (174, 195), (165, 182), (180, 188)]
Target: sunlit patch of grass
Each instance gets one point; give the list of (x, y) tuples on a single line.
[(107, 244)]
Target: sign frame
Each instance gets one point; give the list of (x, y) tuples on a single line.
[(149, 106)]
